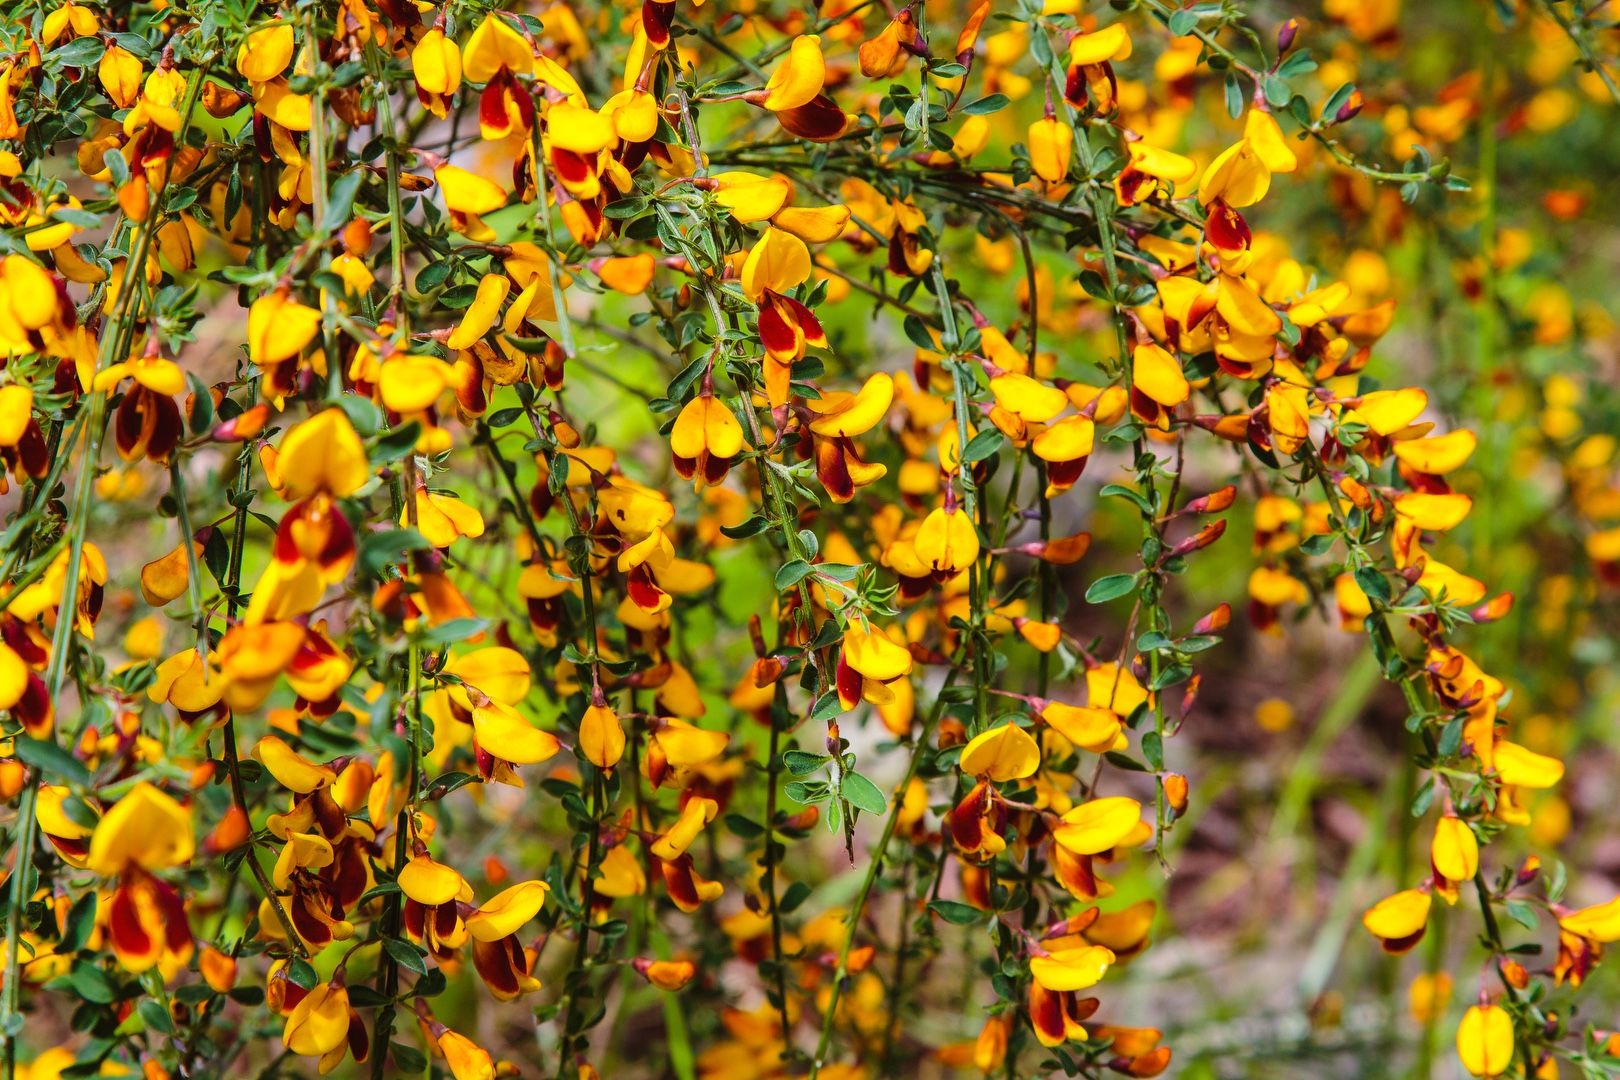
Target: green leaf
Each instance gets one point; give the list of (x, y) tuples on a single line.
[(956, 913), (1523, 914), (407, 1058), (796, 894), (450, 781), (1153, 749), (84, 218), (1234, 96), (1300, 62), (917, 331), (862, 794), (800, 763), (791, 573), (1451, 737), (340, 200), (985, 105), (78, 53), (377, 892), (405, 954), (396, 443), (1095, 285), (1110, 588), (302, 974), (363, 413), (1373, 583), (454, 630), (379, 551), (155, 1016), (624, 209), (529, 346), (1170, 676), (1331, 107), (51, 760), (982, 445), (81, 923), (746, 828), (1131, 495), (92, 984), (1124, 761), (752, 527), (807, 791), (827, 707)]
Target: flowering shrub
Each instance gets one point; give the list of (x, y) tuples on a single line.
[(600, 567)]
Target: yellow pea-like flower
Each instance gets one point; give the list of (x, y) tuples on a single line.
[(436, 63), (776, 263), (842, 414), (1067, 970), (323, 455), (1398, 921), (291, 769), (1526, 768), (947, 541), (1051, 146), (577, 129), (1485, 1041), (119, 73), (265, 53), (495, 46), (1003, 753), (432, 883), (145, 828), (1454, 849), (1112, 42), (466, 1059), (1099, 825), (1599, 922), (799, 77), (1157, 375), (697, 813), (482, 312), (507, 911), (500, 729), (279, 328), (319, 1023), (1089, 728), (601, 737)]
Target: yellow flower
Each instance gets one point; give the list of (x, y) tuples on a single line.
[(467, 1060), (145, 828), (279, 328), (1071, 969), (291, 769), (432, 883), (495, 46), (1051, 145), (705, 439), (265, 53), (319, 1023), (1003, 753), (601, 737), (508, 910), (1099, 825), (323, 455), (1454, 851), (947, 541), (797, 79), (1485, 1040), (1398, 921)]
